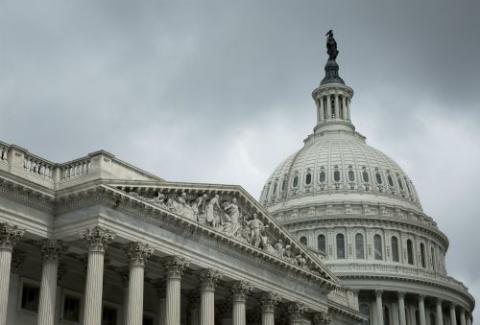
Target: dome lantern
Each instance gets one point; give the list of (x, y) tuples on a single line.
[(332, 97)]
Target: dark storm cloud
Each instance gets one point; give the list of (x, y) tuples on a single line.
[(219, 91)]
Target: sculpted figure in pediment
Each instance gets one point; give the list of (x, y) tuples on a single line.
[(256, 228), (211, 212), (159, 199), (231, 219), (199, 206), (279, 249), (181, 206)]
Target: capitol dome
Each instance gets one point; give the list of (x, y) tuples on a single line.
[(357, 209)]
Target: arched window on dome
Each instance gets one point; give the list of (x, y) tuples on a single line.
[(323, 176), (332, 105), (365, 174), (308, 178), (340, 246), (284, 184), (378, 177), (336, 174), (275, 187), (399, 181), (377, 245), (295, 181), (408, 187), (351, 174), (410, 252), (303, 240), (422, 255), (359, 246), (390, 180), (321, 243), (395, 249)]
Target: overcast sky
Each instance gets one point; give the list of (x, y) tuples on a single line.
[(220, 91)]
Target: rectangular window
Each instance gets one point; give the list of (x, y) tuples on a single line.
[(109, 316), (30, 297), (71, 308)]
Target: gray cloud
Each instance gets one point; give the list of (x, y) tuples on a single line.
[(219, 91)]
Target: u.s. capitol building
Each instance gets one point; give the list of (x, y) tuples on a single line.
[(338, 237)]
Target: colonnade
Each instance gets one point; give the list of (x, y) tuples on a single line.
[(138, 253), (422, 315), (333, 106)]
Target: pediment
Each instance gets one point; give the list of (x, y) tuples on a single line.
[(231, 212)]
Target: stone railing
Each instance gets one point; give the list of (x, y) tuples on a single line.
[(344, 297), (100, 164), (395, 270)]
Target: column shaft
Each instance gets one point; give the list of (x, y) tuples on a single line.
[(135, 295), (463, 320), (239, 312), (337, 107), (5, 265), (94, 288), (379, 306), (329, 107), (401, 309), (207, 313), (439, 313), (421, 309), (320, 110), (162, 311), (453, 316), (344, 106), (173, 301), (48, 293)]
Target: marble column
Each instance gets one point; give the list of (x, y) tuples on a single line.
[(161, 289), (51, 250), (401, 308), (329, 107), (421, 309), (208, 280), (269, 300), (337, 107), (453, 315), (174, 266), (297, 313), (439, 312), (344, 106), (469, 320), (463, 320), (97, 238), (240, 291), (321, 110), (379, 306), (137, 253), (9, 236)]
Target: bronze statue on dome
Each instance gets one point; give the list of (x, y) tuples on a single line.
[(331, 46)]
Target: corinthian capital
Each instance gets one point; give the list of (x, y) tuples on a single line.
[(138, 253), (322, 319), (98, 238), (51, 249), (297, 310), (269, 300), (209, 279), (240, 290), (175, 266), (9, 236)]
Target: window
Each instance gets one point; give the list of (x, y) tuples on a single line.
[(295, 181), (365, 175), (303, 240), (332, 105), (284, 184), (422, 255), (399, 181), (340, 246), (30, 297), (395, 252), (365, 310), (386, 315), (322, 176), (378, 176), (308, 179), (109, 316), (359, 246), (321, 243), (377, 244), (410, 252), (336, 174), (147, 320), (71, 308), (351, 174), (275, 189), (390, 180)]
